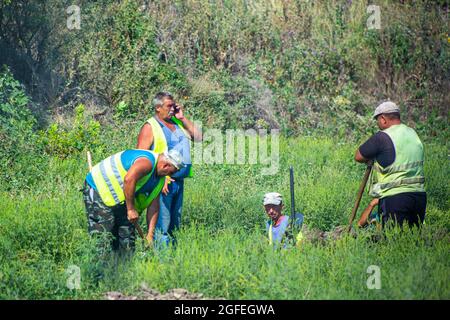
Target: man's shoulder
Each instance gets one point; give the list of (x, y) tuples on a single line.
[(150, 120), (154, 120), (379, 135), (377, 139), (382, 137)]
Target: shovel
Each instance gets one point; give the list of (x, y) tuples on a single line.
[(139, 230), (359, 195)]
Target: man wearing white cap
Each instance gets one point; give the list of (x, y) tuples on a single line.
[(118, 188), (278, 224), (397, 177)]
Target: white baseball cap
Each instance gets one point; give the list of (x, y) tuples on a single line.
[(175, 158), (272, 198), (386, 107)]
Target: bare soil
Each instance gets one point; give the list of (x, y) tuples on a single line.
[(150, 294)]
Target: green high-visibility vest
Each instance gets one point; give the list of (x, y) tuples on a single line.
[(159, 139), (109, 175), (406, 173)]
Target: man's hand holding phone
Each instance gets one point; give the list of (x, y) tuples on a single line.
[(178, 112)]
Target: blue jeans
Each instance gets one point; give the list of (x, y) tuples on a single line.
[(169, 213)]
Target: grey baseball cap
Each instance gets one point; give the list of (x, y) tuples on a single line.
[(175, 158), (386, 107)]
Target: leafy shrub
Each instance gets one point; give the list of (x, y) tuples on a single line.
[(304, 53), (120, 59), (18, 141), (15, 115), (84, 134)]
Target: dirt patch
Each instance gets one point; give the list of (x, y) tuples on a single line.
[(321, 237), (149, 294)]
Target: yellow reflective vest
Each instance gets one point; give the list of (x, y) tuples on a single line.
[(159, 139), (405, 174), (109, 176)]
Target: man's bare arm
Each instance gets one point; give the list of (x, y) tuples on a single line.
[(145, 137), (359, 157), (363, 221), (195, 133), (139, 169)]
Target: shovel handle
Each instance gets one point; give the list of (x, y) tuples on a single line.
[(360, 193), (139, 230), (141, 234), (89, 160)]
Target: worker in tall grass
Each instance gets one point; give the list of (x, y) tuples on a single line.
[(279, 231), (397, 178), (278, 226), (121, 186)]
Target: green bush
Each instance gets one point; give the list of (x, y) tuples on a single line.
[(120, 59), (83, 135), (15, 115), (18, 141), (302, 55)]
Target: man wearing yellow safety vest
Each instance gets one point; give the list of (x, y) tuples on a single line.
[(397, 178), (278, 225), (121, 186), (169, 129)]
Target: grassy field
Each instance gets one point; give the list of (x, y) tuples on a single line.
[(222, 251), (315, 70)]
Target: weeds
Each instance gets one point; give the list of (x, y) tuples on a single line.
[(222, 249)]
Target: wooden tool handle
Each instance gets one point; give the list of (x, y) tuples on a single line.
[(359, 196), (139, 230), (89, 159)]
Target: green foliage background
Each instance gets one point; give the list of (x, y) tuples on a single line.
[(309, 68)]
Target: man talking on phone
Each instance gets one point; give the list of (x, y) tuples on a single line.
[(168, 129)]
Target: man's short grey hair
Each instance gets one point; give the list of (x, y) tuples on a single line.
[(159, 97)]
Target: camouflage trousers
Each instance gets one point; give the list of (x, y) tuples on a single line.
[(110, 223)]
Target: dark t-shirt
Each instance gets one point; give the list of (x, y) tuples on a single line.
[(379, 147), (410, 204)]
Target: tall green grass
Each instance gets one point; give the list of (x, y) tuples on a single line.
[(222, 250)]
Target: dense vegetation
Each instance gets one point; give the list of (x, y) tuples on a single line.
[(303, 66), (222, 250), (312, 69)]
